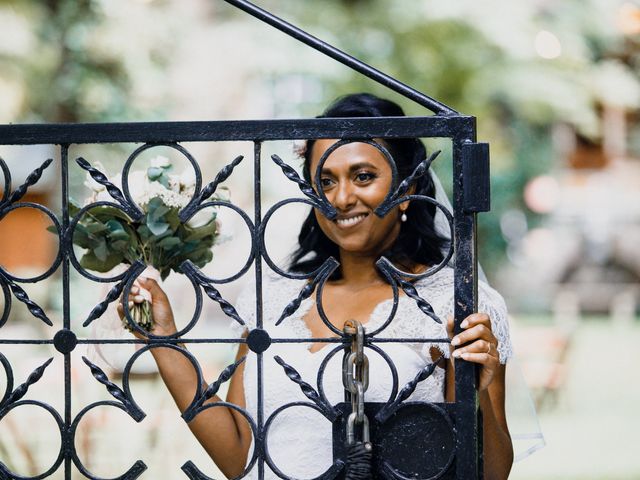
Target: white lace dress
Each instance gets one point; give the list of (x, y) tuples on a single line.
[(299, 439)]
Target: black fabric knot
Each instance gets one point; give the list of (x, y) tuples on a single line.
[(359, 460)]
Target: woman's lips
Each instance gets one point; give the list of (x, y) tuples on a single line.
[(351, 221)]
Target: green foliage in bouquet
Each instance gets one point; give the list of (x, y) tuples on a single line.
[(110, 237), (159, 239)]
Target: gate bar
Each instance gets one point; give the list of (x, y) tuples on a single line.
[(344, 58), (236, 130)]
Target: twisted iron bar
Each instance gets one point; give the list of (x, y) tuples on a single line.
[(211, 390), (114, 191), (196, 275), (307, 290), (292, 306), (406, 391), (32, 179), (307, 389), (21, 391), (226, 307), (99, 309), (22, 296), (303, 185), (411, 292), (115, 391), (393, 277), (211, 188), (421, 169)]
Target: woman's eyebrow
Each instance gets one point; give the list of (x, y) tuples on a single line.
[(359, 165), (356, 166)]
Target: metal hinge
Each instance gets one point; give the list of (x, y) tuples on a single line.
[(476, 193)]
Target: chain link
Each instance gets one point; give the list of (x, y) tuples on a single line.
[(355, 378)]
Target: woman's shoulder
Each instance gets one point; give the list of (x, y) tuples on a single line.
[(439, 281), (443, 281)]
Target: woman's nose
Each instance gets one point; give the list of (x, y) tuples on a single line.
[(344, 196)]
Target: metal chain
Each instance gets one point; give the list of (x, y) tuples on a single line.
[(355, 378)]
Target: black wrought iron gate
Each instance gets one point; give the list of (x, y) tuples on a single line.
[(461, 460)]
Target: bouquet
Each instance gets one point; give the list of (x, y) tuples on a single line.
[(110, 238)]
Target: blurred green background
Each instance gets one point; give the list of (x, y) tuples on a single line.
[(556, 90)]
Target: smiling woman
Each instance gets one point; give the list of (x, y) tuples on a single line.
[(355, 178)]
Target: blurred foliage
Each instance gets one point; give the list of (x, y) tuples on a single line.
[(108, 60), (487, 59), (59, 57)]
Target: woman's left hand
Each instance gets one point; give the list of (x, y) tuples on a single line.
[(479, 345)]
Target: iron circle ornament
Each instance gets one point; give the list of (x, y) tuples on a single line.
[(190, 466), (330, 212), (9, 375), (400, 449), (392, 369), (7, 181), (5, 472), (126, 373), (132, 472), (322, 368), (450, 251), (175, 146), (328, 474), (58, 258), (263, 247), (68, 240), (252, 252), (6, 307)]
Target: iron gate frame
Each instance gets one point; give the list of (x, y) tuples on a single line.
[(470, 192)]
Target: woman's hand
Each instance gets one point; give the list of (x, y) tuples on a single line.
[(479, 345), (163, 321)]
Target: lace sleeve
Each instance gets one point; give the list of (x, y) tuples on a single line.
[(439, 292), (492, 303)]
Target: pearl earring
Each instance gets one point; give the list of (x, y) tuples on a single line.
[(403, 217)]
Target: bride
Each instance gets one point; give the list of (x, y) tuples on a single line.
[(355, 178)]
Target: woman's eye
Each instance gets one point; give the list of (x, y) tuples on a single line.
[(365, 176), (325, 182)]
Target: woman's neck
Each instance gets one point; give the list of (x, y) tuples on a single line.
[(359, 271)]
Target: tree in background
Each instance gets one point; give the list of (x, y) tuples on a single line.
[(522, 68), (82, 60)]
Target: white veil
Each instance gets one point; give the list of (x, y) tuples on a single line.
[(522, 418)]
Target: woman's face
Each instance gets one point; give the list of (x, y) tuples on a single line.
[(355, 179)]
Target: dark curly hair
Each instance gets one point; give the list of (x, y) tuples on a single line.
[(418, 242)]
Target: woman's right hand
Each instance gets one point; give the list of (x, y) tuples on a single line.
[(163, 321)]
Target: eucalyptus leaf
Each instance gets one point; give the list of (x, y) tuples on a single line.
[(105, 213), (145, 233), (81, 236), (164, 180), (154, 173), (96, 227), (156, 209), (169, 242), (172, 217), (119, 246), (199, 233), (74, 207), (101, 251), (91, 262), (158, 228)]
